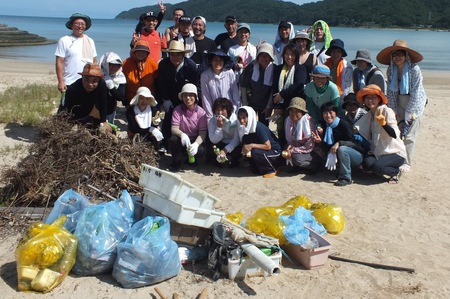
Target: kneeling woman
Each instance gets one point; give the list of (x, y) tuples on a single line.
[(189, 128), (260, 142), (301, 146), (379, 126)]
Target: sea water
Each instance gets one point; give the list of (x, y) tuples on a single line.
[(115, 35)]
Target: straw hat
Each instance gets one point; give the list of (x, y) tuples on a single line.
[(143, 91), (299, 104), (92, 70), (371, 89), (384, 56), (176, 46)]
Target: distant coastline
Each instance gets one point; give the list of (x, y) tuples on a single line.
[(12, 36)]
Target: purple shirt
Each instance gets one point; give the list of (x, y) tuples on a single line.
[(191, 122)]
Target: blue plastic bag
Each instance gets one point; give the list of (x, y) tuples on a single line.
[(99, 230), (69, 204), (295, 231), (148, 255)]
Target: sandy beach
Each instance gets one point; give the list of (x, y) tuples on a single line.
[(404, 225)]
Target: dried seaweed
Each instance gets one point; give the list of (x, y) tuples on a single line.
[(70, 155)]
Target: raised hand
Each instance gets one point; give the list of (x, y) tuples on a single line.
[(380, 118)]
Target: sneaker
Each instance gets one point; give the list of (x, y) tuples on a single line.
[(174, 167), (342, 182), (271, 175)]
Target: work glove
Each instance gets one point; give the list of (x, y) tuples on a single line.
[(167, 104), (289, 162), (331, 161), (185, 141), (358, 137), (193, 149), (406, 127), (380, 118), (221, 158), (109, 84), (157, 133)]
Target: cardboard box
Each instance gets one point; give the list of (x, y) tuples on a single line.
[(310, 258)]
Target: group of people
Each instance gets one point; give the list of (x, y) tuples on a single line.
[(196, 97)]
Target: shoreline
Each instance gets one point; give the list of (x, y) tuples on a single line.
[(403, 225)]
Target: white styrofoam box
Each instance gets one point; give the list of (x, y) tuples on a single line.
[(181, 213), (239, 270), (173, 187)]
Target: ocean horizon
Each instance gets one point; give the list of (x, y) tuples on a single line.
[(115, 35)]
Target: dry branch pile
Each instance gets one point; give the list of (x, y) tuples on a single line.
[(68, 155)]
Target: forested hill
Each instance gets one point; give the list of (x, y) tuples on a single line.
[(357, 13)]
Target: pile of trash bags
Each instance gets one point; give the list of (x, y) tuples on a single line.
[(93, 239)]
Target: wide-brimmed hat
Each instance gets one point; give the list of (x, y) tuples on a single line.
[(384, 56), (350, 99), (188, 88), (76, 16), (336, 43), (321, 71), (299, 104), (219, 53), (143, 91), (301, 35), (267, 48), (362, 54), (92, 70), (141, 45), (176, 46), (371, 89), (242, 26)]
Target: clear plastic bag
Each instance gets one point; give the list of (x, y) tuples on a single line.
[(331, 216), (148, 255), (69, 204), (295, 231), (99, 230), (45, 255)]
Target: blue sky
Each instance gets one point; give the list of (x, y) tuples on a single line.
[(106, 9)]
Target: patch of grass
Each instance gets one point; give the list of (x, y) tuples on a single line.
[(28, 105), (8, 150)]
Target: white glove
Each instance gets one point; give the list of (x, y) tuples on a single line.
[(193, 149), (185, 141), (157, 133), (289, 162), (331, 161), (109, 84), (221, 158), (274, 118), (167, 104)]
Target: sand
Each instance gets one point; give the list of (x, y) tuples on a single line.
[(403, 225)]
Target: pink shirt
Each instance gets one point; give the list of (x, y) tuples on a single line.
[(191, 122)]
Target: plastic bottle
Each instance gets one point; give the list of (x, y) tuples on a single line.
[(236, 254), (191, 158), (216, 150), (222, 159), (284, 154)]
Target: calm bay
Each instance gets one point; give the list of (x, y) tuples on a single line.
[(114, 35)]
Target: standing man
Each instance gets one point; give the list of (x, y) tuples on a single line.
[(228, 39), (172, 31), (284, 34), (74, 51), (185, 35), (203, 44), (321, 36), (156, 41)]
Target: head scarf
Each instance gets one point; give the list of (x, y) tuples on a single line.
[(251, 123), (326, 32), (117, 78)]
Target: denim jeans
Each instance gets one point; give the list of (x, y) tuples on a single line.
[(385, 165), (347, 157)]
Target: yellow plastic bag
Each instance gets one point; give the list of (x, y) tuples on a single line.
[(331, 216), (45, 255), (266, 220), (235, 218)]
